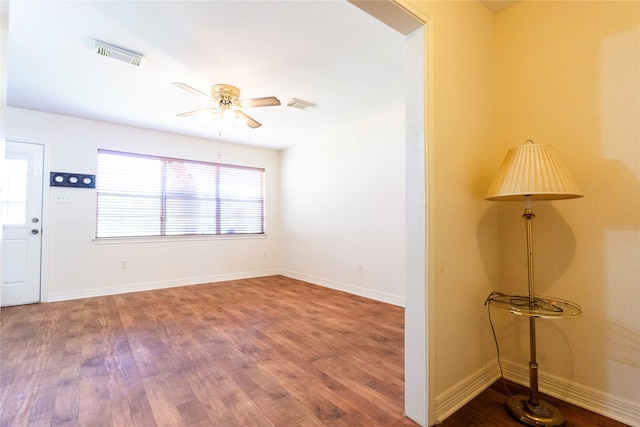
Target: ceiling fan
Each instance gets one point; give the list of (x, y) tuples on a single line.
[(227, 104)]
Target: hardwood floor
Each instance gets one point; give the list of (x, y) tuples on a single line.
[(258, 352)]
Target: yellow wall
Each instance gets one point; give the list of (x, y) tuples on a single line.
[(564, 73), (568, 75), (462, 244)]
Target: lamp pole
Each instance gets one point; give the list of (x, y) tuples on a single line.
[(534, 399), (532, 410)]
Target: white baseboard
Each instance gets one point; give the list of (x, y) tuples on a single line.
[(149, 286), (622, 410), (462, 393), (172, 283), (346, 287)]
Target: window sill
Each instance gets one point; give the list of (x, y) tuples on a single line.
[(164, 239)]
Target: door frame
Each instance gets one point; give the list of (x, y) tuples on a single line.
[(46, 169), (419, 334)]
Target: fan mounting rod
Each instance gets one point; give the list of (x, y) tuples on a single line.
[(225, 94)]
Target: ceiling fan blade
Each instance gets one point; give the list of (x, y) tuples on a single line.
[(193, 90), (250, 122), (267, 101), (200, 111)]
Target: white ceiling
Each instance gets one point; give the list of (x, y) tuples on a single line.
[(327, 52)]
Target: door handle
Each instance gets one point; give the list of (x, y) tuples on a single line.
[(35, 231)]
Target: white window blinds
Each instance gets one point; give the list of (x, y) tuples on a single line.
[(140, 195)]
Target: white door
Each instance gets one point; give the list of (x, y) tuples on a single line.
[(22, 223)]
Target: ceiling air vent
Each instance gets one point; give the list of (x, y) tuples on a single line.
[(301, 105), (114, 52)]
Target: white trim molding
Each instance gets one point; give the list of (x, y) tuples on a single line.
[(149, 286), (346, 287), (616, 408), (463, 392)]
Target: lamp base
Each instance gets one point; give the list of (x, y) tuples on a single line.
[(542, 415)]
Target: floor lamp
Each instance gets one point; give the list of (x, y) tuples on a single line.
[(533, 172)]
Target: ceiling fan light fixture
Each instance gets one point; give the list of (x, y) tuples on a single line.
[(241, 121), (223, 124), (229, 115), (228, 105), (105, 49), (301, 105)]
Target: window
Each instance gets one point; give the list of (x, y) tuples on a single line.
[(140, 195), (14, 204)]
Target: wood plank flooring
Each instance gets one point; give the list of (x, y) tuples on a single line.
[(258, 352)]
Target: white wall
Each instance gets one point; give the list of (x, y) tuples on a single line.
[(343, 215), (343, 206), (76, 266)]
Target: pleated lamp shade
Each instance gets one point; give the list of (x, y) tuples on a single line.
[(532, 170)]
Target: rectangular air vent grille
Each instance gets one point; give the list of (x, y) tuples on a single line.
[(120, 54), (301, 105)]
